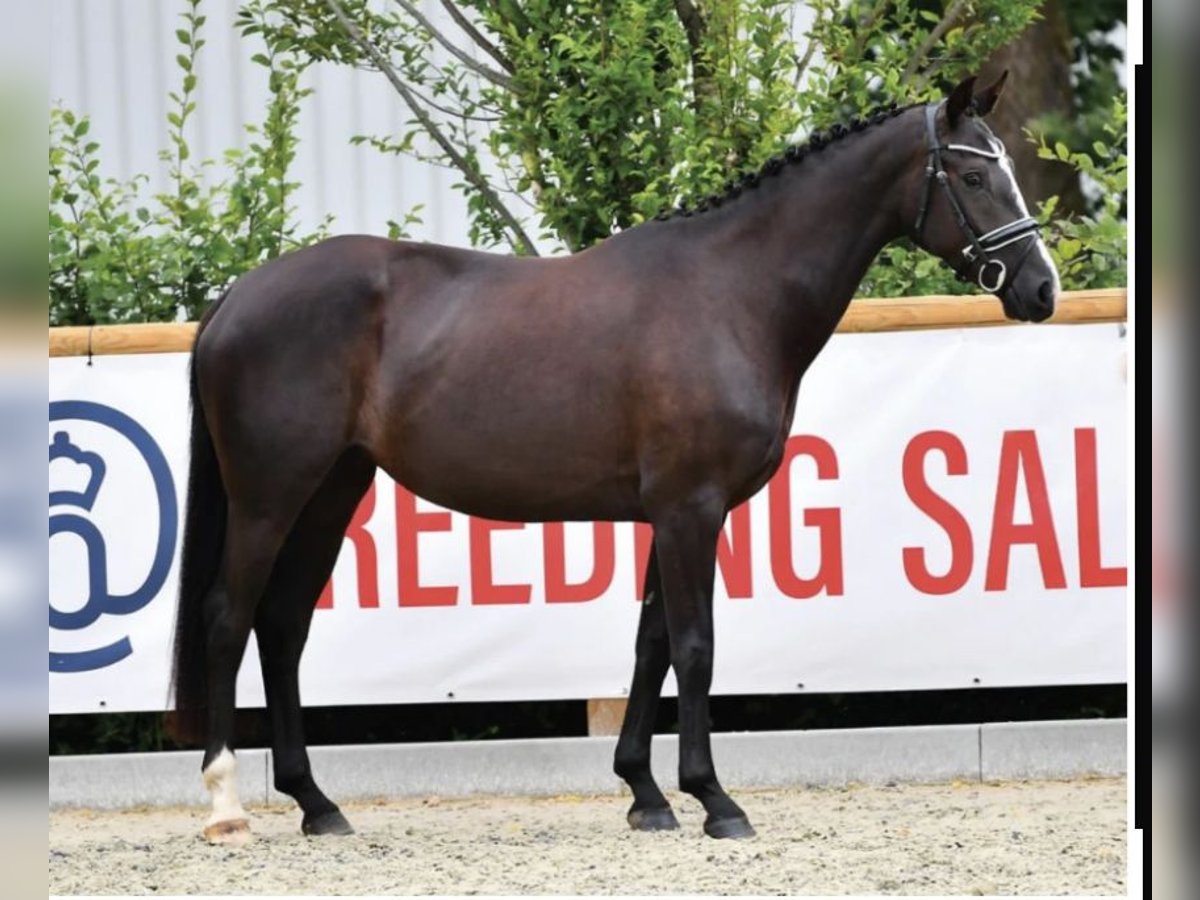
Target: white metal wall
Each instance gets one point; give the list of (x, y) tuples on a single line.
[(115, 61)]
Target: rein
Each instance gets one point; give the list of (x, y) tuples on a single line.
[(980, 246)]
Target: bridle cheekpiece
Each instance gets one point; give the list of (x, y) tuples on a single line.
[(980, 248)]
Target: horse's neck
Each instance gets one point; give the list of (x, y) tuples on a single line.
[(819, 227)]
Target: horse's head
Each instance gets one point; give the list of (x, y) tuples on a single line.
[(970, 211)]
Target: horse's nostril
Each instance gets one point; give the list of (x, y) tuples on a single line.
[(1046, 294)]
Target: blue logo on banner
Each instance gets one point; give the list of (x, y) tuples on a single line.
[(78, 521)]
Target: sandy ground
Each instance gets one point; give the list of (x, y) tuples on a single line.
[(1012, 838)]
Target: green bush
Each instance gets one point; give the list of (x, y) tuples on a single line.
[(605, 115), (1090, 250), (597, 116)]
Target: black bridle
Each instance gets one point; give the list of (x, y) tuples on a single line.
[(980, 248)]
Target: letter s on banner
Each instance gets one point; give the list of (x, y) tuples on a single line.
[(941, 510)]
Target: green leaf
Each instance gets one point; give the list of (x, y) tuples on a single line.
[(1069, 248)]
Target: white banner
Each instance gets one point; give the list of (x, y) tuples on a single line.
[(951, 512)]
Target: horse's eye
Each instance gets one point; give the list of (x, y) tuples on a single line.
[(973, 180)]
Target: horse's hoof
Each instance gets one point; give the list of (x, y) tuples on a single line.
[(231, 832), (733, 827), (331, 822), (657, 819)]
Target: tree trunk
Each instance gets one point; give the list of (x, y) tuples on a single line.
[(704, 89), (1039, 84)]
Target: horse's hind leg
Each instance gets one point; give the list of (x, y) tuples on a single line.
[(281, 629), (251, 546), (650, 810)]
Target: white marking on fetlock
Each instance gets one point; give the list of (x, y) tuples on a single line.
[(220, 777)]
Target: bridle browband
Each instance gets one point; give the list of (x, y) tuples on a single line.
[(980, 246)]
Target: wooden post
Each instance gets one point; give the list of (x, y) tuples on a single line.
[(605, 716)]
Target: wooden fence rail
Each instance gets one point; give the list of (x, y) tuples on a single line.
[(891, 314)]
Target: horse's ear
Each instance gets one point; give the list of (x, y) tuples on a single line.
[(985, 100), (960, 100)]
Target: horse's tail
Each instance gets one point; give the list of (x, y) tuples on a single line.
[(203, 539)]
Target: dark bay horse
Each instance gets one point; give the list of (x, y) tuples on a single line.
[(652, 378)]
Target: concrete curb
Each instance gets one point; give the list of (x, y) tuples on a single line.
[(1013, 750), (551, 766), (122, 780)]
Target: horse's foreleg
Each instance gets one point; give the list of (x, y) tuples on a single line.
[(281, 628), (251, 546), (650, 810), (686, 538)]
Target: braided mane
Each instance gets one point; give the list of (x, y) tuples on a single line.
[(816, 141)]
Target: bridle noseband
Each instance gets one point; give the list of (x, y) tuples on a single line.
[(981, 246)]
